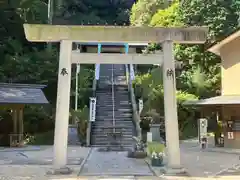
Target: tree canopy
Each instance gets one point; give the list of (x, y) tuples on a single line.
[(199, 76)]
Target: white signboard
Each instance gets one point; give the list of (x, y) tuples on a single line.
[(203, 124), (92, 109), (140, 105), (149, 136), (97, 71), (230, 135), (132, 75)]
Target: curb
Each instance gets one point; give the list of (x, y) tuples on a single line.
[(235, 166), (84, 161), (223, 151), (153, 171)]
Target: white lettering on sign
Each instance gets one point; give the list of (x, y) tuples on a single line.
[(92, 109), (140, 104), (203, 124), (230, 135), (132, 74), (97, 71)]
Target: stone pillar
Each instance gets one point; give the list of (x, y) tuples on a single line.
[(170, 106), (62, 106), (155, 130)]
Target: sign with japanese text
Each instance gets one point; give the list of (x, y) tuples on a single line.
[(92, 109)]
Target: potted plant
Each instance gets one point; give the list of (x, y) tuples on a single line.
[(157, 159), (138, 150)]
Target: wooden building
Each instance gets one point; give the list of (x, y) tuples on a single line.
[(13, 98), (227, 106)]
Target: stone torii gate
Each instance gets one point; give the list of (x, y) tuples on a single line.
[(66, 35)]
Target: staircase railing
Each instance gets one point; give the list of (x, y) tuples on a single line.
[(136, 117), (113, 100)]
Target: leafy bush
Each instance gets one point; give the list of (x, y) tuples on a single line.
[(41, 139), (154, 147), (81, 116)]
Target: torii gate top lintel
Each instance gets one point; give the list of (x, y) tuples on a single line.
[(117, 34)]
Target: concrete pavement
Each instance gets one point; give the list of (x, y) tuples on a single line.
[(18, 164)]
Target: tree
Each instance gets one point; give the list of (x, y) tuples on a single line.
[(200, 74), (222, 18), (96, 12), (168, 17), (143, 10)]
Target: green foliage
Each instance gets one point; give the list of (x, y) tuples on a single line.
[(154, 147), (143, 10), (38, 119), (32, 11), (85, 76), (168, 17), (45, 138), (27, 62), (96, 12), (221, 17), (82, 116), (200, 74), (152, 94)]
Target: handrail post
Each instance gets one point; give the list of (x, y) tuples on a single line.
[(136, 117), (113, 101)]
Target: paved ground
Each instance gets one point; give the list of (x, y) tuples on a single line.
[(33, 163), (202, 163), (114, 163)]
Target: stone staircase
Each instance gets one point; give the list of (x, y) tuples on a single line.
[(106, 115)]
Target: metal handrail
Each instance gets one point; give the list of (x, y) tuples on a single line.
[(113, 100), (136, 117)]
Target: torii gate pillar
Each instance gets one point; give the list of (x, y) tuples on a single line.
[(170, 108), (62, 106)]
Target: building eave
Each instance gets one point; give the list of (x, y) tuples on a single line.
[(217, 47)]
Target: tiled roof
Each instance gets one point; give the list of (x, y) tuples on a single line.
[(22, 94), (218, 100)]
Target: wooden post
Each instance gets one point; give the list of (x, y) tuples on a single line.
[(13, 135), (21, 125), (14, 121)]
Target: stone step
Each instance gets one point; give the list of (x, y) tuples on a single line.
[(100, 117), (110, 119), (98, 134), (126, 146), (104, 125), (105, 143), (102, 133), (117, 112), (116, 105), (127, 130), (106, 119), (104, 140)]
